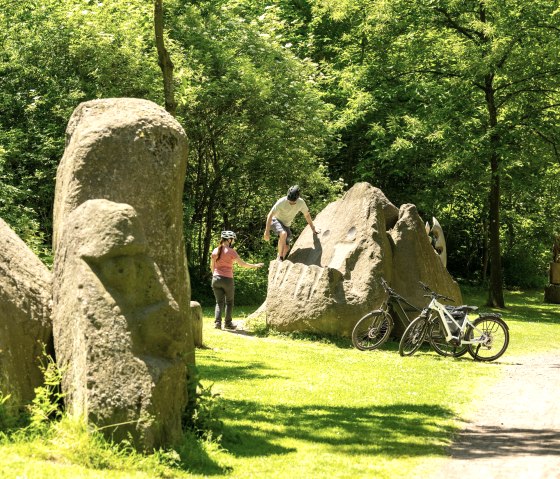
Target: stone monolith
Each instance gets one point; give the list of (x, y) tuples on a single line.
[(25, 323), (120, 334), (331, 279), (133, 152)]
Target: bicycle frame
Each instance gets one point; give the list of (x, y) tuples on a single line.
[(443, 314), (395, 302)]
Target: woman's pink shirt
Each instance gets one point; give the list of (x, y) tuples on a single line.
[(224, 265)]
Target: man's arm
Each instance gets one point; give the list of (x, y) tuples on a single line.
[(310, 221), (268, 223)]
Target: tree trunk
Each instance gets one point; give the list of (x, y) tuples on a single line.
[(485, 251), (495, 293), (164, 60)]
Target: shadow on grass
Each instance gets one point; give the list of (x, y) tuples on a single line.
[(528, 308), (523, 306), (395, 430), (225, 369)]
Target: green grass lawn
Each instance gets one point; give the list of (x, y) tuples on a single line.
[(303, 408)]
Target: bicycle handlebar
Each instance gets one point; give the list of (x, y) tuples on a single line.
[(432, 294), (388, 289)]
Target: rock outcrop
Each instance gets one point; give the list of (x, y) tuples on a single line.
[(25, 323), (331, 279), (120, 335), (130, 152)]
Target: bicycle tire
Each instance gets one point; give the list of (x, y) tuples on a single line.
[(497, 342), (436, 336), (372, 330), (413, 336)]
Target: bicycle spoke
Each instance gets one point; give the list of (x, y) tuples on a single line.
[(413, 336), (372, 330), (490, 337)]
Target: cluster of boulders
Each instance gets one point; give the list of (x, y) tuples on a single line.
[(116, 311), (119, 295), (331, 279)]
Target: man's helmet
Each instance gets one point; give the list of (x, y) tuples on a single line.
[(229, 235), (293, 193)]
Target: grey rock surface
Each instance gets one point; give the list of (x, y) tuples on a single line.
[(331, 279), (119, 334), (196, 318), (129, 151), (25, 323), (132, 152)]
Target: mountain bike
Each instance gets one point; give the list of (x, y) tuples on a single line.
[(372, 330), (450, 332)]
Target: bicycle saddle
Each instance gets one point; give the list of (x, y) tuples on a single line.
[(461, 309)]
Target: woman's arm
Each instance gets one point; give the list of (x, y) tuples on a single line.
[(242, 263)]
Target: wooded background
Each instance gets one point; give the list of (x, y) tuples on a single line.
[(453, 105)]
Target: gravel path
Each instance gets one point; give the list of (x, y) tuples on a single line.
[(515, 431)]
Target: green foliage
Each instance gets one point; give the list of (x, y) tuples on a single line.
[(270, 94), (47, 403), (202, 417), (56, 54), (205, 422), (255, 121), (428, 92), (8, 418)]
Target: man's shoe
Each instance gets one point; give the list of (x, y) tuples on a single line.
[(230, 325), (280, 258), (218, 325)]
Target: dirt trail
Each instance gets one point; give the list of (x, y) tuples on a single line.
[(515, 431)]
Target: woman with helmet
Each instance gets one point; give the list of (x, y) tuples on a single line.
[(281, 216), (221, 264)]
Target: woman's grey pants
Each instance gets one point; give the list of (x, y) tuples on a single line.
[(224, 291)]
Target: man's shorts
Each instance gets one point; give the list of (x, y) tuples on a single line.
[(277, 227)]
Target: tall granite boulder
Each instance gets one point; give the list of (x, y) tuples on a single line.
[(133, 152), (414, 259), (25, 323), (331, 279), (120, 334)]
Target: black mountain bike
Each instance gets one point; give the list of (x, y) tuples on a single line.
[(374, 328)]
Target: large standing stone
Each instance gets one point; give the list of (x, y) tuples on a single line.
[(330, 280), (414, 260), (120, 335), (129, 151), (133, 152), (25, 324)]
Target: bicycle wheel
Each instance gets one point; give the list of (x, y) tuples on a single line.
[(413, 336), (372, 330), (493, 336), (436, 336)]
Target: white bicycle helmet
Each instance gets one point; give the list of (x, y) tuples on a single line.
[(229, 235)]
